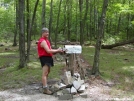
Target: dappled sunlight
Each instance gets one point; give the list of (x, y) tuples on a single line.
[(7, 53), (34, 65), (128, 68)]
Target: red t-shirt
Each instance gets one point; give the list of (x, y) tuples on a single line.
[(41, 50)]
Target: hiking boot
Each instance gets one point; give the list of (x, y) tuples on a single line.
[(47, 91)]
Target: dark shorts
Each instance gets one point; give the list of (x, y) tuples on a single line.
[(46, 60)]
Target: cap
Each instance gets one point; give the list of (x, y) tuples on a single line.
[(45, 30)]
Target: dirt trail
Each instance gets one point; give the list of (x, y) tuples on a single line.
[(32, 93), (97, 91)]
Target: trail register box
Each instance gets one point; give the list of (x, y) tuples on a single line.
[(70, 49)]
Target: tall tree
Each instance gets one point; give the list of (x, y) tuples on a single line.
[(90, 26), (81, 23), (43, 13), (22, 61), (69, 13), (51, 19), (85, 18), (76, 25), (95, 69), (30, 30), (65, 21), (57, 25), (16, 22), (27, 17)]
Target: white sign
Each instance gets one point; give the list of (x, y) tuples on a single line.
[(73, 49)]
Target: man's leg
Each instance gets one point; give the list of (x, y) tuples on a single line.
[(45, 73)]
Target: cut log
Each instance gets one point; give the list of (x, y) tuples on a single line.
[(117, 44)]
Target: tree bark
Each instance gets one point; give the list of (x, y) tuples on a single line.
[(43, 13), (28, 18), (85, 19), (22, 61), (65, 21), (57, 25), (51, 20), (30, 30), (90, 26), (81, 23), (95, 69), (16, 25), (69, 14)]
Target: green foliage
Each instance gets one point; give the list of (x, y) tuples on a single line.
[(110, 39), (116, 9), (6, 20), (61, 37), (74, 37)]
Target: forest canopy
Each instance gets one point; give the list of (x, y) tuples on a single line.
[(119, 23)]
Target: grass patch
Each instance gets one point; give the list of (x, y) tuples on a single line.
[(12, 77), (115, 65), (7, 59)]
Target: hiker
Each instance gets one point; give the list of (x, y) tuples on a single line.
[(45, 53)]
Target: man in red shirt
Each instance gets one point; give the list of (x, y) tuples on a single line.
[(45, 53)]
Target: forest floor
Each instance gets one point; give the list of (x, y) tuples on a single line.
[(98, 90)]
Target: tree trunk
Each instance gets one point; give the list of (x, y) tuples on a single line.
[(119, 23), (90, 26), (76, 25), (69, 13), (95, 69), (16, 25), (57, 25), (85, 19), (22, 61), (117, 44), (94, 20), (43, 13), (51, 20), (30, 30), (65, 20), (28, 18), (81, 23)]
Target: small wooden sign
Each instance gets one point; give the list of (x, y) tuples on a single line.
[(70, 49)]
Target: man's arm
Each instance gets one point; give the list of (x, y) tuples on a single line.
[(45, 46)]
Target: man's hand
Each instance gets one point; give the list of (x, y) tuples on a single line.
[(60, 50)]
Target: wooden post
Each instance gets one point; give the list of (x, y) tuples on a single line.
[(72, 50), (71, 63)]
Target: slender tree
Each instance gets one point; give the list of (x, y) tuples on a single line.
[(85, 19), (69, 11), (43, 13), (57, 25), (51, 19), (95, 69), (81, 24), (16, 23), (27, 18), (30, 30), (22, 61)]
